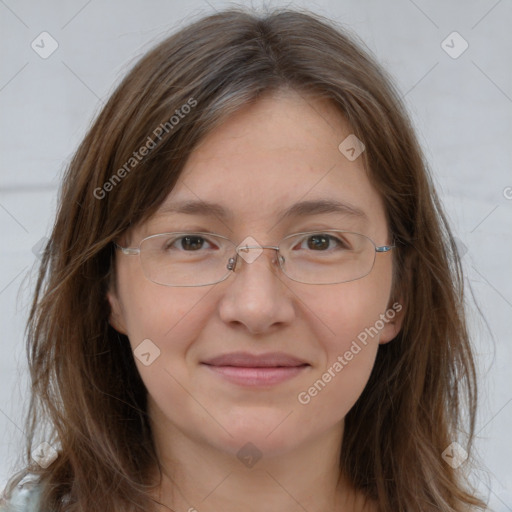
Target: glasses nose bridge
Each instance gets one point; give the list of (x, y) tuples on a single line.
[(243, 250), (250, 247)]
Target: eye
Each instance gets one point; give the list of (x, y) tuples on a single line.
[(318, 242), (188, 243), (193, 243), (322, 242)]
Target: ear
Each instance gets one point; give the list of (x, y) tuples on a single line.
[(393, 319), (116, 317)]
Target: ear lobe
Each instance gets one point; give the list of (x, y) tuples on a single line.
[(116, 317), (393, 319)]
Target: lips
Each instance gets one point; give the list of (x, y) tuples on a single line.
[(268, 360), (247, 369)]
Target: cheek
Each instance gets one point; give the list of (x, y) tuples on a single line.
[(170, 318), (351, 311), (160, 315), (165, 324), (349, 324)]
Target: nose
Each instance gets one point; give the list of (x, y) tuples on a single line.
[(256, 296)]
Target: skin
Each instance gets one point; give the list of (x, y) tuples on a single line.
[(264, 158)]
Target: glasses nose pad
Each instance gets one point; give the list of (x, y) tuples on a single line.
[(278, 261), (232, 263)]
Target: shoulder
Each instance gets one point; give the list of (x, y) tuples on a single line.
[(24, 497)]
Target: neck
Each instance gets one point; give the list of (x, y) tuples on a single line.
[(200, 477)]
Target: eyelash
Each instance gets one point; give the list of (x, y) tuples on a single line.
[(337, 240)]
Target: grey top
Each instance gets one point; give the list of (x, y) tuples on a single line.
[(24, 497)]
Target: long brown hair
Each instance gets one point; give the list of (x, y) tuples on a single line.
[(86, 388)]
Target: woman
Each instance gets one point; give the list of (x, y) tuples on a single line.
[(251, 298)]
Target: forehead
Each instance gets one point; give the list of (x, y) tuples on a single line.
[(270, 155)]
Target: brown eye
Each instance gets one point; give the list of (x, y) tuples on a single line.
[(318, 242), (192, 243), (322, 242)]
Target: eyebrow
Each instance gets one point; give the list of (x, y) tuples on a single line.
[(317, 207), (197, 208), (300, 209)]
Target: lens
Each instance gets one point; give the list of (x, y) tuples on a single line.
[(185, 259), (327, 257)]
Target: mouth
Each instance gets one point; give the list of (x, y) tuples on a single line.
[(262, 370)]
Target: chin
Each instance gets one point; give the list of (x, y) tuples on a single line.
[(264, 434)]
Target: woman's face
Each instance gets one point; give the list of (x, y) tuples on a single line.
[(266, 158)]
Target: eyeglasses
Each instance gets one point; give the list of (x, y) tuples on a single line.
[(202, 259)]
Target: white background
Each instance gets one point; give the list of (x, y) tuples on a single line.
[(462, 109)]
